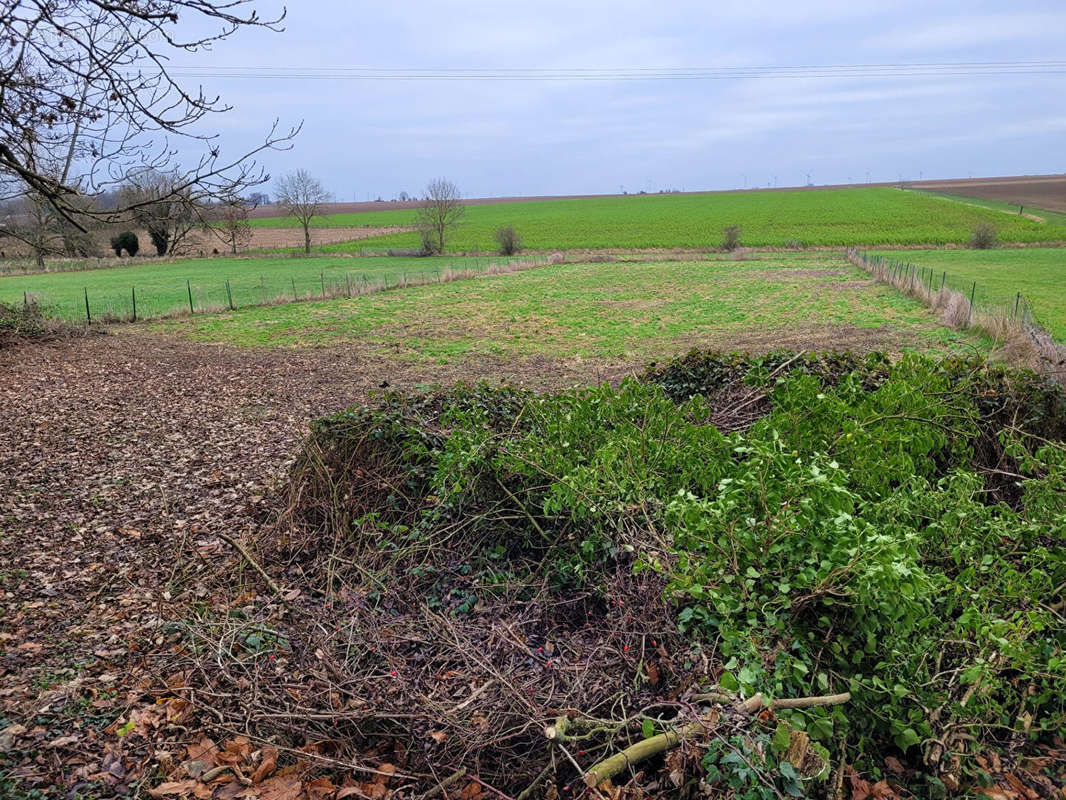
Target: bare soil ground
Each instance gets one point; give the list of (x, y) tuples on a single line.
[(1041, 191)]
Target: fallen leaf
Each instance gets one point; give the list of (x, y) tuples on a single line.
[(267, 765), (319, 789), (63, 741), (893, 765), (173, 788), (203, 750), (286, 787)]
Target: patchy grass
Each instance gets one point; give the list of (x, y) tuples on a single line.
[(840, 217), (1038, 273), (612, 310), (161, 287)]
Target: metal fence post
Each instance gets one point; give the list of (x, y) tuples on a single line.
[(88, 316), (188, 288), (133, 292)]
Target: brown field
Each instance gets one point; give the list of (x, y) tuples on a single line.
[(1040, 191)]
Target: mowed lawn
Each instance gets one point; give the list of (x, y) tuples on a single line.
[(613, 310), (1039, 273), (163, 288), (841, 217)]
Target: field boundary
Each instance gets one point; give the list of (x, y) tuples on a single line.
[(1019, 336), (330, 287)]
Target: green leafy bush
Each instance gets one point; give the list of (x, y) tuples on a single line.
[(890, 529)]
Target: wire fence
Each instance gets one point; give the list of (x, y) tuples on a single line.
[(915, 278), (963, 303), (197, 296)]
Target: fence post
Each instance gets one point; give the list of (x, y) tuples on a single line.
[(1017, 300), (133, 292), (229, 295), (973, 293), (293, 279), (943, 280), (322, 276), (188, 288), (25, 301), (88, 316)]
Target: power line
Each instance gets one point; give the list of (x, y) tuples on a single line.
[(901, 70)]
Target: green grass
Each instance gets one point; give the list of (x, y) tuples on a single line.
[(628, 310), (1039, 273), (161, 288), (1055, 218), (842, 217)]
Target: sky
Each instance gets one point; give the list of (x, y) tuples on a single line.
[(369, 138)]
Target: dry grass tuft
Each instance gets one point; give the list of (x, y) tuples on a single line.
[(1017, 340)]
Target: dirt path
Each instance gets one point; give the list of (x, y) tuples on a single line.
[(121, 459)]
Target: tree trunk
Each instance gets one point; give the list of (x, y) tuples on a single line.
[(307, 239)]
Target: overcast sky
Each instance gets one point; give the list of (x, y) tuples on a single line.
[(370, 138)]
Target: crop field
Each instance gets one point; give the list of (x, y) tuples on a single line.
[(164, 288), (1038, 273), (628, 311), (863, 216)]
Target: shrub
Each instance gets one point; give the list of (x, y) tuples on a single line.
[(731, 237), (984, 236), (833, 545), (430, 245), (509, 240), (27, 320), (127, 240)]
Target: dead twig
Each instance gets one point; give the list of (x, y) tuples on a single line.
[(255, 565)]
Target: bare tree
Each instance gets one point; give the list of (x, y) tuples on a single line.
[(168, 213), (302, 197), (88, 96), (440, 212), (231, 224)]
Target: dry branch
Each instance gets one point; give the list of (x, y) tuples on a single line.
[(254, 564), (643, 750)]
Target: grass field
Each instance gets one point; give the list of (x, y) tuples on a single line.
[(1038, 273), (161, 288), (613, 310), (869, 216)]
